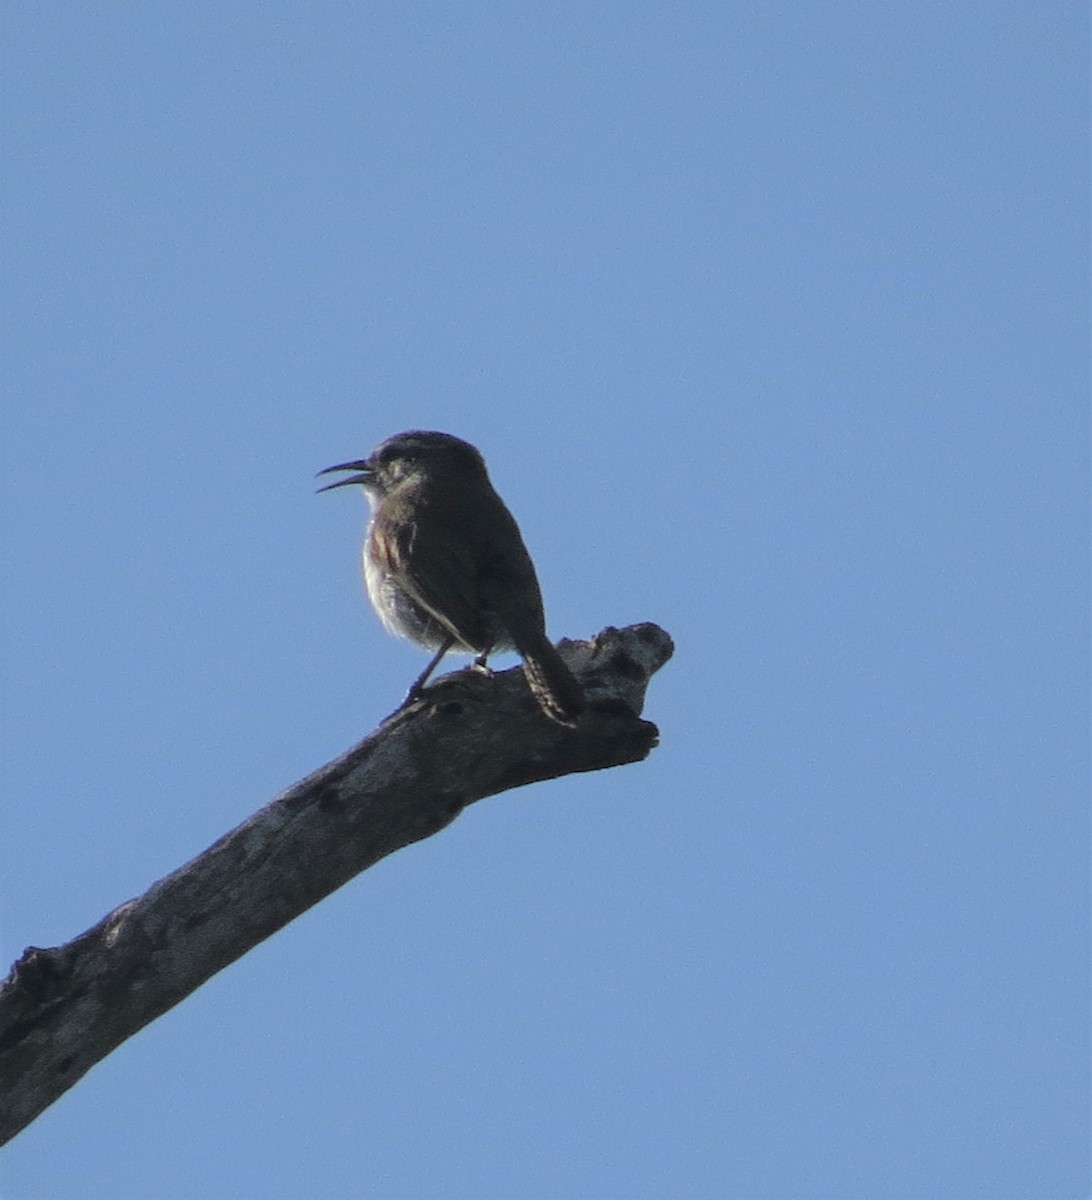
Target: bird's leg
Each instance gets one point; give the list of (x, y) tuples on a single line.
[(419, 683)]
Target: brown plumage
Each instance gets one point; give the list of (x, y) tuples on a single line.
[(446, 566)]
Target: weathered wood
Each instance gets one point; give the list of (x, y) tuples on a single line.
[(470, 736)]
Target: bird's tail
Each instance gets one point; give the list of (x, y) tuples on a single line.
[(553, 685)]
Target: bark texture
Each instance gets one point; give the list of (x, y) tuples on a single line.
[(470, 736)]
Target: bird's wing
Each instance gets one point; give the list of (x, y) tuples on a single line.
[(438, 566)]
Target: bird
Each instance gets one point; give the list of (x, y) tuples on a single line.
[(445, 564)]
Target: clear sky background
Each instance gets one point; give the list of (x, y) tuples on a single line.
[(770, 320)]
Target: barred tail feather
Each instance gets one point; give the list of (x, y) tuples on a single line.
[(552, 684)]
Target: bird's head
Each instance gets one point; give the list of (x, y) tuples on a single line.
[(408, 457)]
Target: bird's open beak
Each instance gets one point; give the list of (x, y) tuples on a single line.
[(362, 465)]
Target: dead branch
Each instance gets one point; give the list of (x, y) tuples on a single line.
[(470, 736)]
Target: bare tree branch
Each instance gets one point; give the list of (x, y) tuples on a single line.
[(64, 1009)]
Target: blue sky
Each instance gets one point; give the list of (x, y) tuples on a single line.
[(771, 321)]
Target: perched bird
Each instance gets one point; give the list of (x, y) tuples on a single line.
[(445, 564)]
